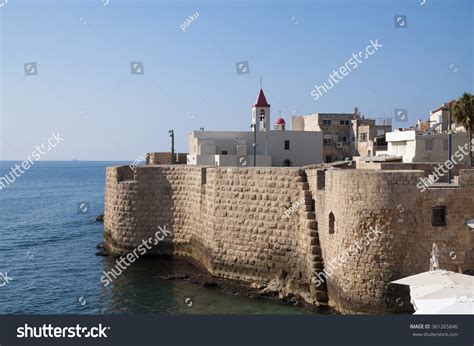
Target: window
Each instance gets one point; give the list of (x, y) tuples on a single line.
[(401, 147), (341, 122), (438, 217), (286, 163), (342, 139), (445, 145), (326, 122), (332, 221), (287, 145), (347, 122), (327, 141), (429, 144), (224, 152), (362, 137), (328, 158)]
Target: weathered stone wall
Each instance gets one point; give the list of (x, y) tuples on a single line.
[(231, 221), (390, 203)]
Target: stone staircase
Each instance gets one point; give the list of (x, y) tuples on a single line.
[(314, 258)]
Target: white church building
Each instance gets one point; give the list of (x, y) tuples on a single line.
[(273, 146)]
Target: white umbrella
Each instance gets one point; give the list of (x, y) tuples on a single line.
[(436, 291), (459, 307), (437, 278), (431, 306), (440, 291), (450, 306)]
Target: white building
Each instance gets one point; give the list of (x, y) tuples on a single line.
[(414, 146), (274, 147), (440, 116)]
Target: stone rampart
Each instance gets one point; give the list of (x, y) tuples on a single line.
[(232, 222), (387, 201)]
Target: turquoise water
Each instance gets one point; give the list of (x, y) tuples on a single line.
[(48, 246)]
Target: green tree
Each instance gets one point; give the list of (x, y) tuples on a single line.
[(463, 114)]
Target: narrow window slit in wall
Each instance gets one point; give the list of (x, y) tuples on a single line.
[(332, 221)]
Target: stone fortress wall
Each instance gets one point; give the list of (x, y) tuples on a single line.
[(389, 201), (232, 222)]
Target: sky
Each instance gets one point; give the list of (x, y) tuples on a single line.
[(83, 88)]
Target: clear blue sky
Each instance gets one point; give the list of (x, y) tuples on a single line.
[(84, 89)]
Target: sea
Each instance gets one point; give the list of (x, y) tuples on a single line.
[(48, 261)]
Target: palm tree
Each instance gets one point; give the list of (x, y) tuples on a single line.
[(463, 114)]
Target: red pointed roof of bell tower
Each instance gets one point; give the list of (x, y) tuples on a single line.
[(261, 100)]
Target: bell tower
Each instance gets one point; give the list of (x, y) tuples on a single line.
[(261, 113)]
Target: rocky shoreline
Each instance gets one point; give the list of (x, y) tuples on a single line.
[(200, 277), (236, 288)]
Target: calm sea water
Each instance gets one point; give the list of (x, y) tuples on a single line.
[(48, 246)]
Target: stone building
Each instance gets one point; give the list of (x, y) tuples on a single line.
[(370, 136), (337, 129), (345, 135)]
